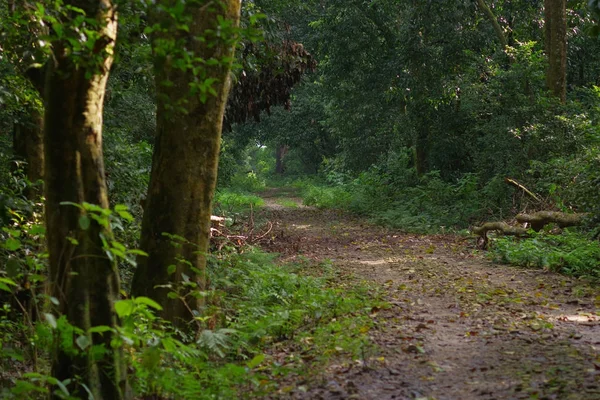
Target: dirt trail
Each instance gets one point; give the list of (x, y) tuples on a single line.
[(459, 327)]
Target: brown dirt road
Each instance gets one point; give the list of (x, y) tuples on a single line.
[(459, 327)]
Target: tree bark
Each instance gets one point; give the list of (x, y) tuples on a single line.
[(184, 165), (82, 278), (555, 30), (279, 159)]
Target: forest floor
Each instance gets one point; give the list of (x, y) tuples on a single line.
[(458, 326)]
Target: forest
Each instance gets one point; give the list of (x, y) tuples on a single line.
[(299, 199)]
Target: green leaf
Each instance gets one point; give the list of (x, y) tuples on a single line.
[(171, 269), (256, 361), (172, 295), (124, 308), (138, 252), (62, 387), (83, 342), (12, 244), (51, 320), (149, 302), (100, 329), (13, 267), (84, 222), (125, 215)]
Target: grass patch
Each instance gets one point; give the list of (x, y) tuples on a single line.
[(287, 203), (570, 253)]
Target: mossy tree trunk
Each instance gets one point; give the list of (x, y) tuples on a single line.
[(555, 30), (81, 277), (184, 165)]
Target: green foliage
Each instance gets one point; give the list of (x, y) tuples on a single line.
[(229, 202), (569, 253), (248, 182), (252, 304), (326, 196)]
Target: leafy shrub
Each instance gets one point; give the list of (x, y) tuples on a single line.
[(326, 196), (247, 182), (229, 202), (570, 253)]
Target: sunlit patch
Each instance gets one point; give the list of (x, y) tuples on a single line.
[(301, 226), (374, 262), (576, 318)]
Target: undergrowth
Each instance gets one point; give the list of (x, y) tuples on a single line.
[(569, 253), (424, 205), (261, 321), (229, 202)]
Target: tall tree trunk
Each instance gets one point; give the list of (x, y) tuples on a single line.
[(555, 30), (82, 278), (184, 165)]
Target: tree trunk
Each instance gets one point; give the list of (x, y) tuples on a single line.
[(279, 159), (82, 278), (184, 165), (555, 30)]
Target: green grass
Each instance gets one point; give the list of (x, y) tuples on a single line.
[(287, 203)]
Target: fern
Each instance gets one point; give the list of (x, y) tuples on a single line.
[(216, 342)]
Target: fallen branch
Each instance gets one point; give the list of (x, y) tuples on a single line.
[(501, 227), (542, 218)]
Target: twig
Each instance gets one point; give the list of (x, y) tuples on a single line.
[(513, 182)]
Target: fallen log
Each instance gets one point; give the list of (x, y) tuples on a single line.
[(542, 218), (536, 220)]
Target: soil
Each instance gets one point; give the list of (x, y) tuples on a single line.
[(458, 325)]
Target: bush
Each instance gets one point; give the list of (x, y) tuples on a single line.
[(570, 253)]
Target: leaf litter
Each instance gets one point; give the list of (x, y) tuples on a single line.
[(457, 325)]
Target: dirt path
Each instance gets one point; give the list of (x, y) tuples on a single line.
[(459, 327)]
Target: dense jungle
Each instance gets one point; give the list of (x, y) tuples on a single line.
[(318, 199)]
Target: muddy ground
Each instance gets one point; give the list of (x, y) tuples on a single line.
[(459, 326)]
